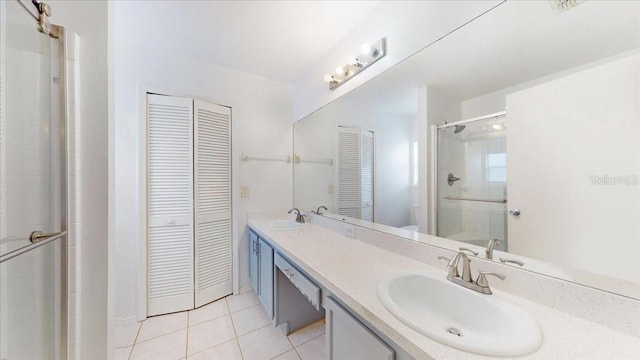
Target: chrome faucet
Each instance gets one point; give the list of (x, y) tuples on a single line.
[(299, 216), (492, 244), (319, 211), (481, 284)]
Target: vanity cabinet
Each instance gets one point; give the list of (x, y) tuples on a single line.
[(261, 270), (265, 276), (348, 338), (253, 260)]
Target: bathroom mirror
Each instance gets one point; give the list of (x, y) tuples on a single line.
[(521, 126)]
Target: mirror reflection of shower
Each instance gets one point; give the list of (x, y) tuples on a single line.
[(471, 180)]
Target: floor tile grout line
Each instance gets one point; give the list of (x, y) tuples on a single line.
[(302, 343), (294, 348), (171, 332), (244, 308), (135, 339), (233, 324), (214, 346), (213, 318)]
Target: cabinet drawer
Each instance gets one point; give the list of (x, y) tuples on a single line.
[(301, 282)]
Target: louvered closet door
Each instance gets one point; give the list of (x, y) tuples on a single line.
[(213, 202), (170, 204), (366, 176), (349, 175)]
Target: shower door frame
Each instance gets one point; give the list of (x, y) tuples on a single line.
[(60, 37), (433, 188)]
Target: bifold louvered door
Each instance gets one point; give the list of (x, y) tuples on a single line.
[(355, 195), (188, 203), (213, 202), (366, 175), (169, 204)]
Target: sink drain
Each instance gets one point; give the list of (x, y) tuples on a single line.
[(454, 331)]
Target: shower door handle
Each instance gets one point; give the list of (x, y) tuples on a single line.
[(514, 212), (37, 236)]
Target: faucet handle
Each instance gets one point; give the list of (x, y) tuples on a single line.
[(513, 261), (469, 251), (482, 278), (452, 269)]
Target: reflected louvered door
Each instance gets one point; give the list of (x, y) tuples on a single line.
[(212, 202), (366, 176), (349, 176), (169, 204)]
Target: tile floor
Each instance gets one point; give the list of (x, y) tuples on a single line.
[(232, 328)]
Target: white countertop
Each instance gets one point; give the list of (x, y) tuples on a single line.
[(351, 270)]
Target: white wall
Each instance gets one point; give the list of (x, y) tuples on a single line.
[(89, 20), (261, 117), (597, 110), (408, 26), (316, 137)]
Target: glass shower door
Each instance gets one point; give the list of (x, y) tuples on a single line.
[(32, 285), (472, 183)]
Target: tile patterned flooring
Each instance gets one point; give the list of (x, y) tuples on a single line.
[(233, 328)]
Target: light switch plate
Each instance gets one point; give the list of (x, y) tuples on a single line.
[(245, 192), (330, 189)]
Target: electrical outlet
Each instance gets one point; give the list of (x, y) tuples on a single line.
[(350, 231), (245, 192), (330, 189)]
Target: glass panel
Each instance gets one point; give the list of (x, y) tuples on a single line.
[(31, 295), (30, 302), (472, 164), (30, 118)]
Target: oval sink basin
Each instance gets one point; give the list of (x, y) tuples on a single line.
[(459, 317), (284, 225)]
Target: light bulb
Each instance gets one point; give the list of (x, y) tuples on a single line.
[(328, 78), (340, 70), (366, 49)]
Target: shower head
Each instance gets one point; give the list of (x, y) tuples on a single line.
[(459, 128)]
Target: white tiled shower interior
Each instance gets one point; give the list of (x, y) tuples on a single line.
[(233, 328)]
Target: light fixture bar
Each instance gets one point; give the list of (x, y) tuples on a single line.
[(369, 54)]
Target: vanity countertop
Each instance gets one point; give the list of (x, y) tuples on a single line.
[(351, 269)]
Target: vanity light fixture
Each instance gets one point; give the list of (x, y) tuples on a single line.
[(369, 54)]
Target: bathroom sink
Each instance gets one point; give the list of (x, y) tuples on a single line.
[(284, 225), (459, 317)]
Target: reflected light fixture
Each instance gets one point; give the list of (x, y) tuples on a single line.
[(369, 54)]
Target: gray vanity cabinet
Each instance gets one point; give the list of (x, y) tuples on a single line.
[(253, 260), (348, 338), (261, 270), (265, 276)]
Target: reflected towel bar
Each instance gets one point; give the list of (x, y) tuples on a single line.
[(245, 158), (298, 159), (500, 201)]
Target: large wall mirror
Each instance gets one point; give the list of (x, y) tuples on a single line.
[(519, 131)]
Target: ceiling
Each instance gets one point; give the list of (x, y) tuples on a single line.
[(515, 43), (278, 40)]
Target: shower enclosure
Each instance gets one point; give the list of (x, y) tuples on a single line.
[(471, 173), (33, 186)]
